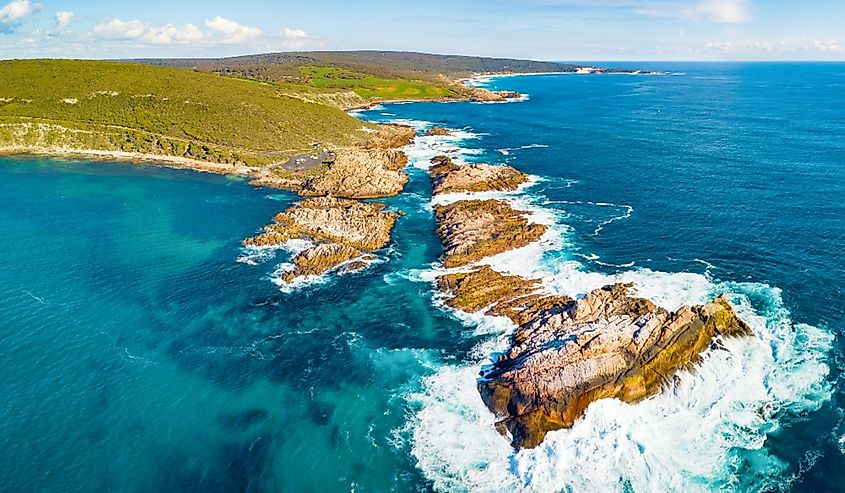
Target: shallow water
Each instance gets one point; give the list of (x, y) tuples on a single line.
[(145, 350)]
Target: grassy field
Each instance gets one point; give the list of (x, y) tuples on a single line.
[(140, 108), (372, 87)]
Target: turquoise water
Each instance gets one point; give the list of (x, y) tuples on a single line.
[(144, 349)]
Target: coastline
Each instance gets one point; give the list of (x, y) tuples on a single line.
[(175, 162)]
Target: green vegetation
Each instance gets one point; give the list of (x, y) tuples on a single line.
[(371, 87), (331, 77), (276, 67), (138, 108)]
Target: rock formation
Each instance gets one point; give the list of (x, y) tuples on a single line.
[(342, 229), (323, 258), (372, 170), (473, 229), (606, 345), (482, 95), (564, 353), (437, 131), (448, 177), (360, 174)]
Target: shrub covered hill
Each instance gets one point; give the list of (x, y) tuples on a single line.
[(249, 111), (70, 104)]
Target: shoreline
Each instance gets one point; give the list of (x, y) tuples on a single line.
[(134, 158)]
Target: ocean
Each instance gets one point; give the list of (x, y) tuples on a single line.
[(145, 350)]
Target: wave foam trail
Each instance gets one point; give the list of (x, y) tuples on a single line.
[(691, 436)]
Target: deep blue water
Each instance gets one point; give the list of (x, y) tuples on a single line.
[(139, 354)]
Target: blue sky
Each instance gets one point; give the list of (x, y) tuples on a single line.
[(541, 29)]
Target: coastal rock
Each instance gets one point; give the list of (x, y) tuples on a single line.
[(371, 170), (473, 229), (606, 345), (448, 177), (320, 259), (344, 231), (489, 292), (436, 131), (360, 174), (365, 226), (481, 95)]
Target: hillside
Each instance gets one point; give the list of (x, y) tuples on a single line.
[(354, 78), (274, 67), (135, 108)]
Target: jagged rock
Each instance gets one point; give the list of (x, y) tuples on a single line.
[(606, 345), (497, 294), (482, 95), (391, 136), (448, 177), (320, 259), (361, 225), (357, 227), (371, 170), (438, 131), (473, 229), (564, 353)]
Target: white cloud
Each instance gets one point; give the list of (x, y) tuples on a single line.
[(294, 33), (785, 45), (63, 19), (14, 12), (296, 39), (220, 31), (724, 11), (728, 11), (231, 32), (141, 31), (829, 46)]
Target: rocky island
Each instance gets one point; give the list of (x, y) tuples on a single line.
[(449, 177), (343, 232), (564, 353)]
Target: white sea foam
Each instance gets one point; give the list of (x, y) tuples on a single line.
[(254, 255), (426, 147), (685, 438), (507, 150)]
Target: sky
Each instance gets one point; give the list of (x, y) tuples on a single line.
[(563, 30)]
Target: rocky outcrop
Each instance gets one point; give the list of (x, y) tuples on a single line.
[(492, 293), (436, 131), (481, 95), (473, 229), (365, 226), (564, 353), (449, 177), (606, 345), (372, 170), (342, 229), (360, 174), (325, 257)]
